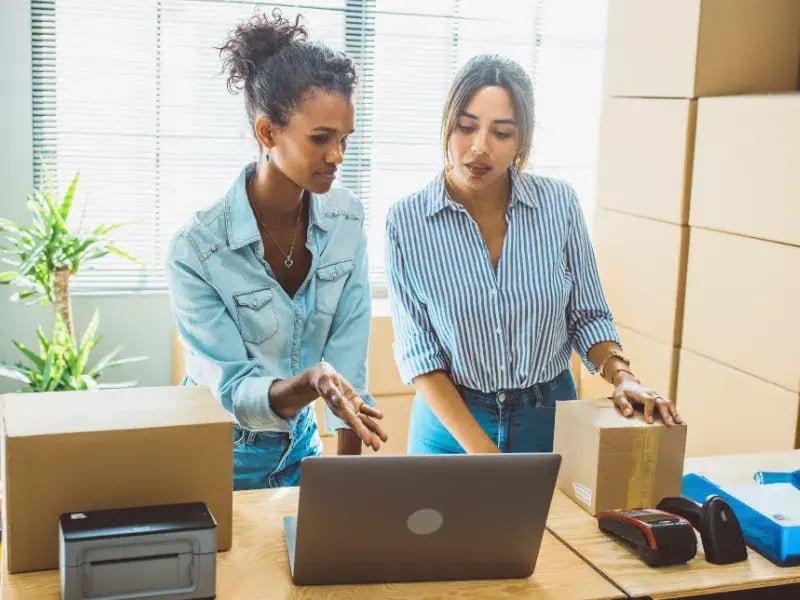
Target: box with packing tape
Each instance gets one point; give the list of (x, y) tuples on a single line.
[(65, 452), (609, 461)]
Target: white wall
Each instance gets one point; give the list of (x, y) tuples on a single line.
[(140, 322)]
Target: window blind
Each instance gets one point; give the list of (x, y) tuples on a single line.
[(131, 95)]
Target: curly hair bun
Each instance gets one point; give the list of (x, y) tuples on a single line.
[(256, 41)]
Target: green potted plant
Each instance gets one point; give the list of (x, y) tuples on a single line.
[(43, 258)]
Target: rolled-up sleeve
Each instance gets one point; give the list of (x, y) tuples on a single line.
[(589, 320), (348, 342), (417, 349), (217, 354)]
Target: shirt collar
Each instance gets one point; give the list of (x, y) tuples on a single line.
[(523, 189), (241, 225)]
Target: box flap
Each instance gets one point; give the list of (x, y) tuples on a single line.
[(602, 413), (108, 410)]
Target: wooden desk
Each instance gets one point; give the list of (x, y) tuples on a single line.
[(578, 529), (257, 567)]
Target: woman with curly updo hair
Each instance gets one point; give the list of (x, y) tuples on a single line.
[(270, 284)]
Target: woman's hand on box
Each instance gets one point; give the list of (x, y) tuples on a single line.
[(629, 391)]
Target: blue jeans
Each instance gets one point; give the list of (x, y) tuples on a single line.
[(516, 420), (266, 459)]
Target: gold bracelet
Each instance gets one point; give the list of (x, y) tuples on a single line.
[(611, 379), (613, 354)]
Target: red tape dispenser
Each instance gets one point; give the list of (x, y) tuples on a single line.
[(660, 538)]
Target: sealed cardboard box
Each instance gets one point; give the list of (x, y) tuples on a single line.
[(694, 48), (645, 157), (609, 461), (76, 451), (575, 368), (642, 265), (746, 179), (729, 411), (741, 302), (382, 375), (655, 364)]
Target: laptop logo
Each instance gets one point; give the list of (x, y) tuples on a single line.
[(424, 521)]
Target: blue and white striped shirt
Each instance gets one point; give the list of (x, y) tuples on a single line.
[(491, 331)]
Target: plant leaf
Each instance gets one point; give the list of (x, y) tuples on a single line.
[(16, 297), (14, 372), (102, 230), (118, 252), (89, 382), (49, 359), (105, 360), (33, 256), (53, 216), (8, 276), (122, 361), (66, 205), (37, 361)]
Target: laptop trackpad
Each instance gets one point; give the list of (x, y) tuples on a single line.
[(290, 530)]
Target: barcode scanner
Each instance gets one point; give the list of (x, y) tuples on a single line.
[(719, 528)]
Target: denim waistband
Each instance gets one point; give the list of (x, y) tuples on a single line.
[(534, 394)]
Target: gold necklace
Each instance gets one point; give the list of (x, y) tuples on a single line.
[(288, 261)]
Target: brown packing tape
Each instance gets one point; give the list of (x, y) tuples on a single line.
[(644, 454)]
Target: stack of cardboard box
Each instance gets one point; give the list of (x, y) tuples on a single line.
[(695, 237)]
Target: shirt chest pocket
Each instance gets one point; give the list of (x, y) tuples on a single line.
[(255, 315), (330, 283)]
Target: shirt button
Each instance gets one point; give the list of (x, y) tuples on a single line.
[(294, 357), (499, 330), (502, 367), (299, 321), (501, 397), (494, 291)]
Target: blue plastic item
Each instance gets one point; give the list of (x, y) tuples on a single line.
[(768, 477), (775, 535)]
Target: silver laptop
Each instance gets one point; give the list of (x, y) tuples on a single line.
[(367, 519)]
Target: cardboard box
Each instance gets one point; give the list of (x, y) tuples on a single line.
[(645, 157), (76, 451), (576, 367), (693, 48), (655, 364), (609, 461), (383, 376), (642, 265), (746, 179), (728, 411), (742, 296)]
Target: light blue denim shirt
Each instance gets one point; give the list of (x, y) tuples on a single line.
[(243, 331)]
